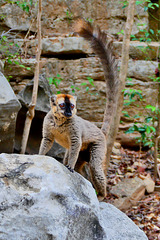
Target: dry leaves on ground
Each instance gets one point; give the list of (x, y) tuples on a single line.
[(146, 214)]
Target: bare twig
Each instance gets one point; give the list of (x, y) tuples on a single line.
[(157, 135), (122, 76), (31, 109), (155, 155)]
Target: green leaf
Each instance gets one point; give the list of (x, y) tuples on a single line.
[(91, 81), (148, 129), (148, 119), (50, 80), (130, 130), (152, 31), (21, 65), (16, 62), (129, 84), (126, 115), (87, 89), (125, 112), (121, 32), (141, 129), (147, 34), (77, 88), (139, 2), (9, 61), (153, 108), (153, 129), (4, 38), (145, 8), (83, 84), (136, 116)]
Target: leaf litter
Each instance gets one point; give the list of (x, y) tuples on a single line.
[(146, 214)]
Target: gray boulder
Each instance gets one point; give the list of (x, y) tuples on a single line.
[(44, 92), (41, 199), (9, 107)]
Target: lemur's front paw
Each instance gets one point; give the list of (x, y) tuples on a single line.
[(69, 168)]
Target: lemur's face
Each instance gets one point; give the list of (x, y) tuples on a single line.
[(64, 104)]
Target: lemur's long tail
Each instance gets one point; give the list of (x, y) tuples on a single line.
[(102, 47)]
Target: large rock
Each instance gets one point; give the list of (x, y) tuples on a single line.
[(69, 45), (9, 107), (65, 45), (57, 16), (83, 68), (138, 50), (129, 192), (14, 17), (41, 199), (44, 92)]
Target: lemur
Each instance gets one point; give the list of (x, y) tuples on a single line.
[(84, 141)]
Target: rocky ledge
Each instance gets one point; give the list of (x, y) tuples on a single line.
[(40, 199)]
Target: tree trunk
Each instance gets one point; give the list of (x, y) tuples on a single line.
[(122, 78), (31, 109)]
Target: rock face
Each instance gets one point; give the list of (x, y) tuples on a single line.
[(44, 92), (91, 67), (58, 15), (40, 199), (9, 106)]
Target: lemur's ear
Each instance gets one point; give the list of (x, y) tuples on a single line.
[(53, 99)]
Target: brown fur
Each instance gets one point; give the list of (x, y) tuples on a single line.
[(84, 142)]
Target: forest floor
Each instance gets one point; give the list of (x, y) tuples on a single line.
[(146, 213)]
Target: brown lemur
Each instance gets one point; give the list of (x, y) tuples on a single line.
[(84, 142)]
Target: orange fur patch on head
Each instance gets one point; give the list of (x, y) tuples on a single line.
[(62, 97), (63, 105)]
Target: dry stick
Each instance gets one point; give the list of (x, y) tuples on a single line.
[(122, 77), (31, 109), (156, 154), (157, 135)]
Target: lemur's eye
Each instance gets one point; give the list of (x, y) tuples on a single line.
[(62, 105), (72, 106)]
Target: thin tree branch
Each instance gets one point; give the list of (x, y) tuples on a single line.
[(122, 77), (31, 109)]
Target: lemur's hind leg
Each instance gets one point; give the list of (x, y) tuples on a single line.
[(82, 164), (79, 167), (97, 158), (66, 157)]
